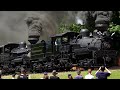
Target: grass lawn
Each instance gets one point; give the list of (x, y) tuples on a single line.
[(63, 75)]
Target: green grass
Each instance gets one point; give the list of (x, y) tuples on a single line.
[(63, 75)]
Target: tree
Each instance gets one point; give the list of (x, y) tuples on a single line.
[(70, 27), (90, 25), (115, 17), (114, 28)]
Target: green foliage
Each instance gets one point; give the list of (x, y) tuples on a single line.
[(63, 28), (114, 28), (70, 27), (78, 27)]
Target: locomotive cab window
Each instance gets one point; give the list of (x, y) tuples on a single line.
[(58, 41), (1, 50), (65, 40)]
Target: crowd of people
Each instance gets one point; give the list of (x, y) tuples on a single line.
[(100, 74)]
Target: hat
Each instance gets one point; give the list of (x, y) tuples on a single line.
[(54, 72), (45, 73)]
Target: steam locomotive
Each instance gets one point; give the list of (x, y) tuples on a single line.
[(82, 49), (62, 52), (13, 56)]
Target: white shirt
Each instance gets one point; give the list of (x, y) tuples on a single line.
[(89, 76)]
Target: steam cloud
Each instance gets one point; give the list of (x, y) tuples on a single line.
[(14, 29)]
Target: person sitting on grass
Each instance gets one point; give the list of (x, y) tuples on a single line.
[(89, 75), (100, 74), (79, 76), (70, 76), (54, 73)]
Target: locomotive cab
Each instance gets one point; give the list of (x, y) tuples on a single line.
[(61, 45), (62, 39)]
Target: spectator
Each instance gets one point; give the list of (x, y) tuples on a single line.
[(23, 74), (89, 75), (13, 76), (45, 75), (79, 76), (0, 70), (70, 76), (54, 73), (100, 74), (28, 75), (0, 76)]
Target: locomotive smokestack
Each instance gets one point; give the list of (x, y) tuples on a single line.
[(102, 20), (35, 28)]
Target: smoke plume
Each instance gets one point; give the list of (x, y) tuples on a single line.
[(14, 29)]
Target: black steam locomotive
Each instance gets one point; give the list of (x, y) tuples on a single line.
[(62, 52), (82, 49), (13, 56)]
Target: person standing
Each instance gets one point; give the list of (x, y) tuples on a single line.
[(79, 76), (54, 73), (70, 76), (13, 76), (0, 70), (23, 74), (89, 75), (0, 76), (45, 75), (100, 74)]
